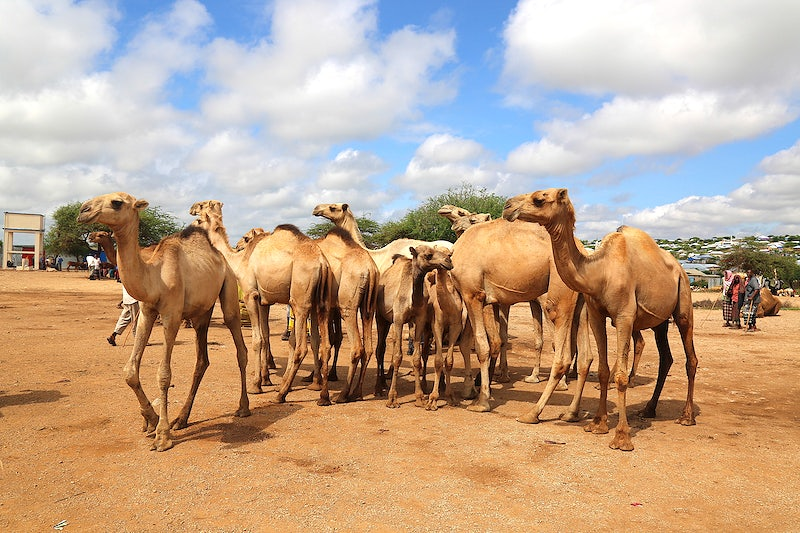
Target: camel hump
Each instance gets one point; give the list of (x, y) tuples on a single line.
[(291, 228), (342, 233)]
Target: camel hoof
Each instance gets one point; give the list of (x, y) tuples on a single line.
[(685, 421), (431, 405), (342, 397), (562, 386), (530, 418), (279, 398), (570, 417), (596, 428), (255, 388), (479, 406), (392, 404), (179, 423), (162, 443), (622, 442), (502, 379), (324, 402), (308, 379), (332, 376), (242, 412), (647, 412), (532, 379), (314, 386)]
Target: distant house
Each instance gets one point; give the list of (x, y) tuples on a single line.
[(712, 280)]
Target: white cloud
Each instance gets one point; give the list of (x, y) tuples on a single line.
[(324, 77)]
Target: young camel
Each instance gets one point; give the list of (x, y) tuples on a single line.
[(356, 290), (341, 215), (499, 263), (284, 266), (182, 278), (629, 279), (401, 300)]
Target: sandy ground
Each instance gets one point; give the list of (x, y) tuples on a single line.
[(72, 450)]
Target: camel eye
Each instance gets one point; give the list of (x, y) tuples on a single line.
[(116, 204), (538, 202)]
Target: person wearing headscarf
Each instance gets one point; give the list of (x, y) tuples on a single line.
[(727, 300)]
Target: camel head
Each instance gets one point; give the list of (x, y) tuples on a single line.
[(248, 237), (206, 209), (461, 224), (115, 210), (453, 212), (333, 212), (428, 258), (549, 207), (98, 237)]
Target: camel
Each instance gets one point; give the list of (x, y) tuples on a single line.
[(629, 279), (355, 288), (461, 219), (341, 215), (284, 266), (500, 263), (769, 305), (182, 278), (401, 300)]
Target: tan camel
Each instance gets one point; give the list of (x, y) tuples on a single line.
[(769, 305), (401, 300), (284, 266), (629, 279), (182, 278), (461, 219), (356, 290), (500, 263), (341, 215)]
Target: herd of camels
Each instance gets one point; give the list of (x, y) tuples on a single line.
[(448, 294)]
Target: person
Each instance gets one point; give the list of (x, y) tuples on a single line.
[(129, 314), (736, 306), (727, 302), (752, 296), (59, 260)]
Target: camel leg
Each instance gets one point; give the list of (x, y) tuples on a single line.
[(622, 436), (492, 321), (664, 364), (369, 350), (562, 359), (335, 334), (397, 360), (232, 317), (382, 326), (320, 321), (420, 353), (638, 348), (474, 304), (580, 327), (685, 322), (258, 315), (144, 328), (538, 342), (599, 424), (299, 351), (438, 366), (163, 437), (357, 354), (465, 344), (200, 325), (503, 316)]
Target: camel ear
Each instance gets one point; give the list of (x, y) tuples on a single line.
[(141, 204), (413, 251), (345, 207), (562, 195)]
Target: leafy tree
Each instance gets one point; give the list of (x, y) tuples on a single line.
[(425, 222), (67, 237), (747, 257)]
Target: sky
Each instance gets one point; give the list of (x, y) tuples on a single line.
[(679, 117)]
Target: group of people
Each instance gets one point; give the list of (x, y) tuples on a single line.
[(740, 298)]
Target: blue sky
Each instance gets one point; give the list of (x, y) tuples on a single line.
[(678, 117)]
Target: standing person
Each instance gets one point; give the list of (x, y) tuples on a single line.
[(736, 301), (59, 260), (727, 301), (752, 295), (130, 313)]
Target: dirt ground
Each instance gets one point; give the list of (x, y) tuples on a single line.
[(72, 452)]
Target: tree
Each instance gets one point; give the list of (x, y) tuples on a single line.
[(67, 237), (425, 222), (747, 257)]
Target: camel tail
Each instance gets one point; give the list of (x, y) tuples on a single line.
[(369, 295)]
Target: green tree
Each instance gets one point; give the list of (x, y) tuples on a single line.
[(747, 257), (67, 237), (425, 222)]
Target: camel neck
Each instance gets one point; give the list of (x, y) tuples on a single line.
[(133, 270), (570, 260), (350, 225)]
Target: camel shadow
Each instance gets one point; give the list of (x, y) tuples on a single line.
[(236, 432), (29, 397)]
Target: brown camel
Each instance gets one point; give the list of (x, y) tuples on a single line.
[(401, 300), (284, 266), (500, 263), (629, 279), (461, 219), (355, 290), (181, 278), (769, 305), (341, 215)]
